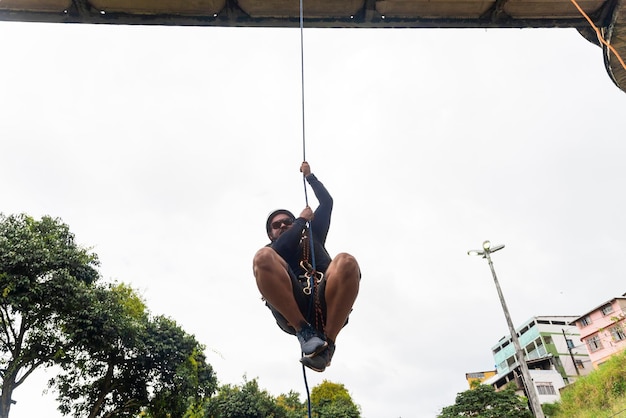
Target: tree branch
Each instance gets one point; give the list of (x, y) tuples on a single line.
[(28, 371), (7, 326)]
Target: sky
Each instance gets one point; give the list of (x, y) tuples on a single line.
[(165, 148)]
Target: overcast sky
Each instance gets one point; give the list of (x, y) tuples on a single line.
[(164, 149)]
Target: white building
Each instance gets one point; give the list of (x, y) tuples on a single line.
[(553, 357)]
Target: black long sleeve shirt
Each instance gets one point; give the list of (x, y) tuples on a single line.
[(290, 246)]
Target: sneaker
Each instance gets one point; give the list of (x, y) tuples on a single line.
[(310, 341), (320, 362)]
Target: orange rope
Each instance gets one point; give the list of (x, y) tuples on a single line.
[(598, 34)]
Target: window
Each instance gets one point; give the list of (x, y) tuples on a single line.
[(511, 361), (618, 333), (594, 343), (585, 321), (607, 309), (579, 364), (545, 388), (558, 363)]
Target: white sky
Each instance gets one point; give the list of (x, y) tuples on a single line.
[(165, 148)]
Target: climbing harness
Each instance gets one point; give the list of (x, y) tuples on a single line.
[(312, 277)]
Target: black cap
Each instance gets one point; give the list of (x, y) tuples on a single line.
[(268, 227)]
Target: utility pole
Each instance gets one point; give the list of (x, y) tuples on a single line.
[(533, 397), (570, 352)]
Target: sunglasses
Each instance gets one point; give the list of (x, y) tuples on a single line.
[(280, 222)]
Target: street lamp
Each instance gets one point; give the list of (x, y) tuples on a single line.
[(530, 388)]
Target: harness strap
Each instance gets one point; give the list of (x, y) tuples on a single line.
[(313, 278)]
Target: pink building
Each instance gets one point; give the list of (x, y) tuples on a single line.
[(603, 330)]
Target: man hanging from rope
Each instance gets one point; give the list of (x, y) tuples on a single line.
[(309, 294)]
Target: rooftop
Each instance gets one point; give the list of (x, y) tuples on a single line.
[(608, 15)]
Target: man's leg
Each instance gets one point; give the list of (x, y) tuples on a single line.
[(274, 283), (342, 287)]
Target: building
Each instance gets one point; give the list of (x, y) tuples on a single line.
[(603, 329), (475, 378), (554, 360)]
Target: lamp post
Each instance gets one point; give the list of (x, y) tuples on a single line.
[(528, 383)]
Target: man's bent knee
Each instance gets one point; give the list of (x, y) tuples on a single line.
[(346, 261), (265, 255), (345, 265), (267, 259)]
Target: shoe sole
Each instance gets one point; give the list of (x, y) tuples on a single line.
[(304, 361)]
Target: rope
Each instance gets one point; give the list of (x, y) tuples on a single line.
[(311, 248), (308, 395), (599, 35), (306, 196)]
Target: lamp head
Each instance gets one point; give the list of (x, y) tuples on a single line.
[(487, 245)]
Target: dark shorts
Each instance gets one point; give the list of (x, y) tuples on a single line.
[(304, 301)]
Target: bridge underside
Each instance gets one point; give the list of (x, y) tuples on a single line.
[(608, 15)]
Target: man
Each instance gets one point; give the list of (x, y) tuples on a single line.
[(309, 297)]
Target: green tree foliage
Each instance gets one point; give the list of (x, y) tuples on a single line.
[(291, 405), (182, 378), (105, 332), (41, 268), (485, 402), (332, 400), (550, 409), (244, 401), (122, 361), (328, 400)]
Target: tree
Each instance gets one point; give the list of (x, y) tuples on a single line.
[(292, 405), (244, 401), (182, 378), (122, 362), (101, 374), (328, 400), (41, 267), (332, 400), (485, 402)]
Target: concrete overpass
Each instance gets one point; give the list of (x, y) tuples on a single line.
[(608, 15)]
